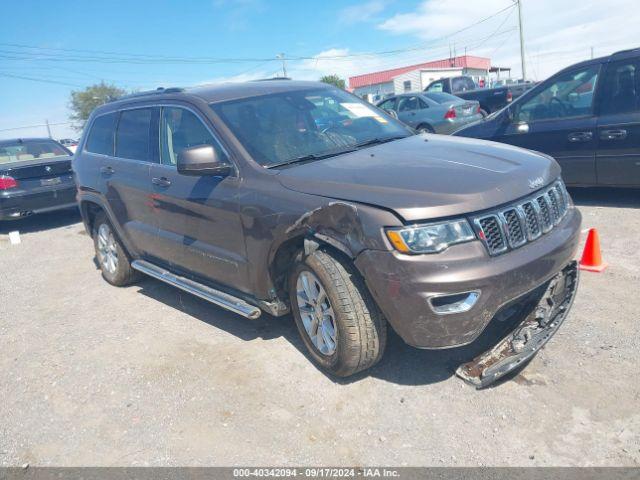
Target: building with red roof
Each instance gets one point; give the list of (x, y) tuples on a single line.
[(376, 85)]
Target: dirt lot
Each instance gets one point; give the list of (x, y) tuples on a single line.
[(147, 375)]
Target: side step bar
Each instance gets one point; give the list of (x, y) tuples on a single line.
[(212, 295)]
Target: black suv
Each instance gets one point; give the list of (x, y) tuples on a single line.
[(281, 196)]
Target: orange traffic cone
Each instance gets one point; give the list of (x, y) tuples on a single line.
[(591, 259)]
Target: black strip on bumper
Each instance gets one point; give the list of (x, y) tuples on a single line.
[(529, 336)]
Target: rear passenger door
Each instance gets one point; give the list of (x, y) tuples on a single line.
[(618, 153), (200, 231), (126, 176), (121, 147)]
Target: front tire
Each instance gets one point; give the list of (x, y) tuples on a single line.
[(337, 318), (112, 258)]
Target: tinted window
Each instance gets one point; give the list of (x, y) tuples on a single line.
[(180, 129), (100, 138), (21, 150), (620, 90), (569, 95), (388, 104), (458, 84), (133, 134), (406, 104), (282, 127), (470, 84), (436, 86)]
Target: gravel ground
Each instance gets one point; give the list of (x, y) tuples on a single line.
[(147, 375)]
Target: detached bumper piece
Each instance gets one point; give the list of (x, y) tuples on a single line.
[(529, 336)]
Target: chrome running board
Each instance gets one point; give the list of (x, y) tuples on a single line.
[(209, 294)]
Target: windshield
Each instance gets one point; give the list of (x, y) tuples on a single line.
[(280, 128), (441, 97), (22, 150)]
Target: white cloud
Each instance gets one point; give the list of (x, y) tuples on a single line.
[(557, 34), (362, 12)]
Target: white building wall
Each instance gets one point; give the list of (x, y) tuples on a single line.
[(413, 79)]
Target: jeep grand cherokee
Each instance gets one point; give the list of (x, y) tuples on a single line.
[(285, 196)]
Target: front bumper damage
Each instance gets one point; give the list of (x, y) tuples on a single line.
[(529, 336)]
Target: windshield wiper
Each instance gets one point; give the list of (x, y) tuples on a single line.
[(319, 156), (377, 141), (311, 157)]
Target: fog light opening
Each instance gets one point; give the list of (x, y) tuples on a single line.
[(454, 303)]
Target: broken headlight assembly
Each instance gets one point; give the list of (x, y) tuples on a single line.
[(430, 238)]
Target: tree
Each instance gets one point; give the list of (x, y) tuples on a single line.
[(333, 80), (84, 101)]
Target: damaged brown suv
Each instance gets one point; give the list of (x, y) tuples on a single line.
[(283, 196)]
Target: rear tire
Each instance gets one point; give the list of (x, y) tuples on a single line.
[(359, 329), (113, 260)]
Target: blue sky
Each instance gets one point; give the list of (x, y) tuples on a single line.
[(327, 33)]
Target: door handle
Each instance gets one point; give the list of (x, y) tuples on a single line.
[(617, 134), (577, 137), (161, 182), (107, 170)]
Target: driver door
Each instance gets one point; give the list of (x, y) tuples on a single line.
[(558, 120)]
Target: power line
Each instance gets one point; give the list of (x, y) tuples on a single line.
[(35, 126), (21, 77), (97, 56)]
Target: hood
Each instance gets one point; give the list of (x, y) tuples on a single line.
[(426, 176)]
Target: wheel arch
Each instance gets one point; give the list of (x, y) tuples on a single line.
[(304, 243), (90, 206), (426, 125)]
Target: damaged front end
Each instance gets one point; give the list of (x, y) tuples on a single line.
[(529, 336)]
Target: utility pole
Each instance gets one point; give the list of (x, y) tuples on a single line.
[(48, 128), (591, 53), (524, 68), (284, 64)]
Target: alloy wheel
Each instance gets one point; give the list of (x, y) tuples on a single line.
[(107, 249), (316, 313)]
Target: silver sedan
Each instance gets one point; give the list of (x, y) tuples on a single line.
[(434, 112)]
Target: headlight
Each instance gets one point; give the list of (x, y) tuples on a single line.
[(431, 238)]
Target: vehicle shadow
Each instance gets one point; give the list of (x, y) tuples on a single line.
[(606, 197), (401, 363), (43, 221)]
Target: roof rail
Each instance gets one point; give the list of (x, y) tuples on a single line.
[(157, 91)]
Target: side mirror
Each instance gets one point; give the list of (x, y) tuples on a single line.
[(202, 160)]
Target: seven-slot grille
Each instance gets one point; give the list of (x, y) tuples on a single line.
[(515, 225)]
